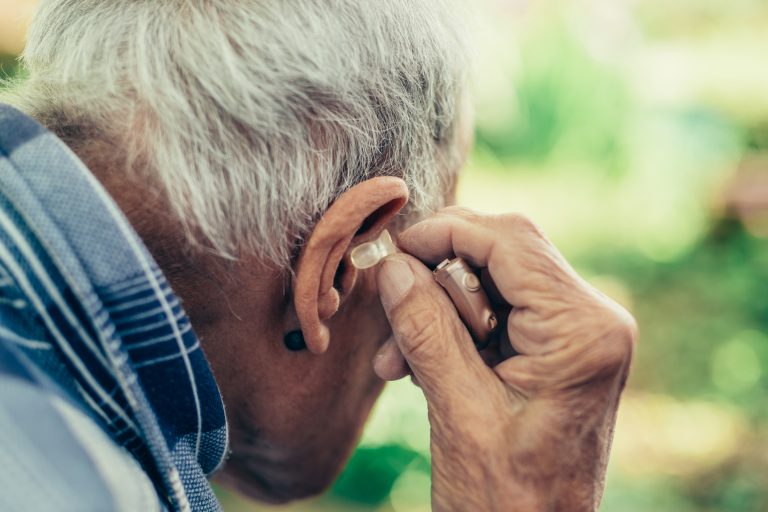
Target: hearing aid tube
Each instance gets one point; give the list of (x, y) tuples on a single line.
[(457, 278)]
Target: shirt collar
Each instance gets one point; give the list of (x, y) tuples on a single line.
[(119, 326)]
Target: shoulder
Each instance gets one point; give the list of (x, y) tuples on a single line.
[(55, 457)]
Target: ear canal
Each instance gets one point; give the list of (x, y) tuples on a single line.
[(378, 219)]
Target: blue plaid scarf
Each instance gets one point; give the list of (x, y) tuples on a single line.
[(87, 305)]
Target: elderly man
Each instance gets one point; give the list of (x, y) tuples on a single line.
[(235, 152)]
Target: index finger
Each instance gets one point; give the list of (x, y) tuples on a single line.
[(523, 264), (444, 235)]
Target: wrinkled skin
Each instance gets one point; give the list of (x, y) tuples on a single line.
[(529, 432), (294, 416)]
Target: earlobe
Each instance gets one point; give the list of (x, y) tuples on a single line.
[(356, 216)]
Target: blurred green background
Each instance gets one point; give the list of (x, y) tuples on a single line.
[(635, 132)]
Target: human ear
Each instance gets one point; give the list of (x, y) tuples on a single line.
[(358, 215)]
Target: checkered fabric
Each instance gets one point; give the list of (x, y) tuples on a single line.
[(106, 399)]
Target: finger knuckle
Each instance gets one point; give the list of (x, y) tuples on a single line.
[(618, 346), (461, 212), (521, 222)]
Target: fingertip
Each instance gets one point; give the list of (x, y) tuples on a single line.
[(389, 363), (395, 279), (431, 240)]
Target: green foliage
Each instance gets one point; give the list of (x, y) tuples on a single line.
[(569, 105), (372, 471), (702, 316)]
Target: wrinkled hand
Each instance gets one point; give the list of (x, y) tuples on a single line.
[(529, 432)]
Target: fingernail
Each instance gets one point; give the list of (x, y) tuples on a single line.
[(395, 281)]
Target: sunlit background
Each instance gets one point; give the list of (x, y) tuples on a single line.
[(636, 133)]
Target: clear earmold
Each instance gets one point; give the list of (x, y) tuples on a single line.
[(369, 254)]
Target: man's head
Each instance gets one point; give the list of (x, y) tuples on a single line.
[(252, 144)]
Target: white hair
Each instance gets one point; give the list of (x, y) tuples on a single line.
[(252, 116)]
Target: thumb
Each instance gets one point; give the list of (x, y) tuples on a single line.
[(428, 330)]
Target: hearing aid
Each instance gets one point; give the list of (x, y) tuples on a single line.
[(456, 277)]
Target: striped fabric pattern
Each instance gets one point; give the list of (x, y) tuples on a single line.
[(84, 307)]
